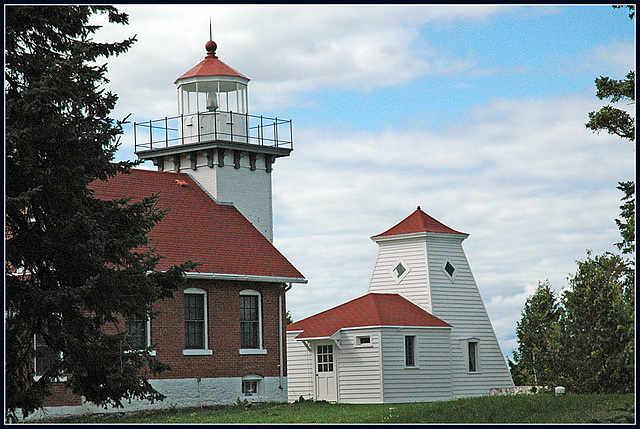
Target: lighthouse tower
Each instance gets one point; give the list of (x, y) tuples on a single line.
[(214, 139)]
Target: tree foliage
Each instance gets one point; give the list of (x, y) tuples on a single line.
[(535, 360), (599, 319), (75, 265)]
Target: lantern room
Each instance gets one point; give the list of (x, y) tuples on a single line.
[(212, 101), (212, 86)]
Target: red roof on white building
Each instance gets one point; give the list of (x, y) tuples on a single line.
[(416, 222), (211, 66), (196, 228), (372, 309)]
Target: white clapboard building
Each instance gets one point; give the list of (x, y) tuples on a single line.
[(421, 333)]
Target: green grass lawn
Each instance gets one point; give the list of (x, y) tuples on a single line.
[(540, 408)]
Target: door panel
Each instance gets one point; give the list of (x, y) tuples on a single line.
[(325, 373)]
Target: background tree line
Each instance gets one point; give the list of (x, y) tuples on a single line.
[(584, 339)]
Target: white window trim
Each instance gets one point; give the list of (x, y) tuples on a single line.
[(415, 351), (363, 345), (205, 351), (259, 350), (455, 270), (407, 269)]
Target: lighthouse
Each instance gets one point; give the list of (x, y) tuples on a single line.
[(227, 151)]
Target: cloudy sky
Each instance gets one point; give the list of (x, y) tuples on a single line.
[(475, 113)]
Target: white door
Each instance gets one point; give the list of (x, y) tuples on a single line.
[(325, 373)]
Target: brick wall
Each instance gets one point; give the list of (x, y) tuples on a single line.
[(223, 307)]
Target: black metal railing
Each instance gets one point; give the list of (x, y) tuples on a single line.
[(212, 126)]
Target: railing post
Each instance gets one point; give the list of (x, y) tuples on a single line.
[(275, 132), (182, 128), (135, 140), (215, 125), (261, 132), (150, 134), (231, 118), (291, 132), (246, 126), (166, 132), (198, 123)]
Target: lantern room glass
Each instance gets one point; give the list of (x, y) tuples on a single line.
[(212, 96)]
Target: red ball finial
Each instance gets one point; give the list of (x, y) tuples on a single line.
[(211, 47)]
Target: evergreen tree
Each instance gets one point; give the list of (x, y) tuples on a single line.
[(74, 265), (599, 319), (535, 361)]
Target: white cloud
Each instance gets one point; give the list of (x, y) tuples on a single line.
[(286, 50)]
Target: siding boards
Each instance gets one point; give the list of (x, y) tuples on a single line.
[(459, 303), (299, 369), (430, 380), (359, 368), (415, 285)]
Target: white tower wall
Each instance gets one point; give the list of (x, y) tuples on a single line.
[(455, 300), (248, 190)]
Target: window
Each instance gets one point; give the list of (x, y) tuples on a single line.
[(450, 270), (399, 269), (250, 320), (324, 354), (473, 356), (195, 322), (249, 387), (46, 356), (410, 351), (363, 341), (139, 331)]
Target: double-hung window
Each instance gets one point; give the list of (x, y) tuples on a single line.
[(250, 322), (138, 333), (46, 357), (195, 322)]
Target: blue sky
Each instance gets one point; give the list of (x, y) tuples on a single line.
[(476, 113)]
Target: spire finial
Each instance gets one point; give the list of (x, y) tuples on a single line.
[(211, 46), (418, 207)]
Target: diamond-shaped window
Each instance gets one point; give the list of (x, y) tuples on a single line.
[(450, 269), (399, 270)]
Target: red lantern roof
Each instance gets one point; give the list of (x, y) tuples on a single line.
[(211, 65)]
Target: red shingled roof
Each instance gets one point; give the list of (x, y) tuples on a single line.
[(372, 309), (211, 66), (418, 221), (197, 228)]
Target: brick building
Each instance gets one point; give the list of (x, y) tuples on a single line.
[(223, 334)]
